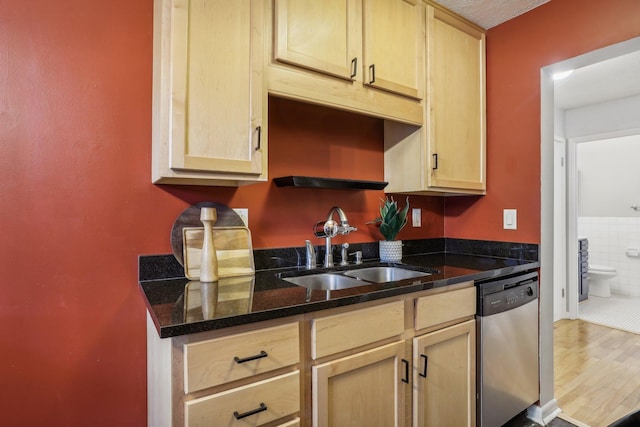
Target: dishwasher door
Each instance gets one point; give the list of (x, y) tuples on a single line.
[(508, 372)]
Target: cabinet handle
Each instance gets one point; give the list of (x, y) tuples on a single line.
[(423, 374), (259, 129), (406, 371), (372, 73), (435, 161), (354, 67), (250, 358), (239, 416)]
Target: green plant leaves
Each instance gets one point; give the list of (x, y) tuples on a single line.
[(391, 219)]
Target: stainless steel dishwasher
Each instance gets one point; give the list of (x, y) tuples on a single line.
[(507, 347)]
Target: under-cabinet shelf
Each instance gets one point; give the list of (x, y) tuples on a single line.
[(336, 183)]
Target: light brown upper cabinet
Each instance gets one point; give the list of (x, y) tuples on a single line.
[(390, 46), (209, 102), (365, 56), (447, 155)]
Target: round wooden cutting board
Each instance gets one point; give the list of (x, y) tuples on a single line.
[(190, 217)]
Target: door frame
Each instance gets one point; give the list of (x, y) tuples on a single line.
[(547, 407)]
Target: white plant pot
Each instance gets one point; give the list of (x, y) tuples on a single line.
[(390, 250)]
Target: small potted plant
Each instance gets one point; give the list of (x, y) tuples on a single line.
[(391, 221)]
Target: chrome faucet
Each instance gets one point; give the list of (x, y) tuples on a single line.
[(330, 229)]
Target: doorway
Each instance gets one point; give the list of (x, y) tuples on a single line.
[(558, 275)]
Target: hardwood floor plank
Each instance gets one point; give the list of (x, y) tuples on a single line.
[(597, 371)]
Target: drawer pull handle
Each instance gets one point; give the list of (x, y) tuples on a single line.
[(261, 408), (424, 370), (372, 74), (406, 371), (250, 358), (354, 67)]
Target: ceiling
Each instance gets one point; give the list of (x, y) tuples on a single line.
[(604, 81), (489, 13)]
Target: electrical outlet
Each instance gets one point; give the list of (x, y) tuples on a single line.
[(243, 213), (510, 219), (416, 217)]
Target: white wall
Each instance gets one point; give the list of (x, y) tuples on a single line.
[(608, 184), (609, 177), (558, 123), (603, 118)]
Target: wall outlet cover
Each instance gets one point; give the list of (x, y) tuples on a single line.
[(416, 217)]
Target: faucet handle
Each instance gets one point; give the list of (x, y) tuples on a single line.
[(345, 228)]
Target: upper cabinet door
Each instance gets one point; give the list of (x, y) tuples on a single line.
[(456, 114), (208, 92), (393, 45), (323, 36)]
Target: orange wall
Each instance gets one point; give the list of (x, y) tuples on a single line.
[(516, 50), (315, 141), (77, 206)]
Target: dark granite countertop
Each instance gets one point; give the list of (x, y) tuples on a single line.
[(179, 306)]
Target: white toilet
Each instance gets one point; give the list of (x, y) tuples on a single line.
[(599, 276)]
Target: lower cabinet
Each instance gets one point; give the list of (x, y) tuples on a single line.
[(353, 384), (366, 375), (444, 377), (236, 377), (364, 389), (255, 404), (347, 366)]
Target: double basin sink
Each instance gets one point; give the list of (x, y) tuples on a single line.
[(335, 280)]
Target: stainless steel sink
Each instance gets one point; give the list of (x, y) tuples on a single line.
[(384, 274), (353, 278), (325, 281)]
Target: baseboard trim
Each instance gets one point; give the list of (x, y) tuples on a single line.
[(544, 414)]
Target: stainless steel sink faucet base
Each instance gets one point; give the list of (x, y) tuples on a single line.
[(330, 228)]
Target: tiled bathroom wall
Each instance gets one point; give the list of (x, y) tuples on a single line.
[(609, 240)]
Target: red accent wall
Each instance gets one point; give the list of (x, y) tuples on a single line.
[(516, 51), (77, 206)]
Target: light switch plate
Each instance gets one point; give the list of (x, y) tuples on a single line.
[(416, 217), (510, 219)]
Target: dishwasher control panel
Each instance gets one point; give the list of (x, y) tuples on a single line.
[(506, 294)]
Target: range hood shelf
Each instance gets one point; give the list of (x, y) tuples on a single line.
[(335, 183)]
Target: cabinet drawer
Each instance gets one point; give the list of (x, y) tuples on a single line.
[(251, 405), (440, 308), (333, 334), (221, 360)]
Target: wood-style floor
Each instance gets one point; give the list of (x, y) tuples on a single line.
[(597, 372)]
